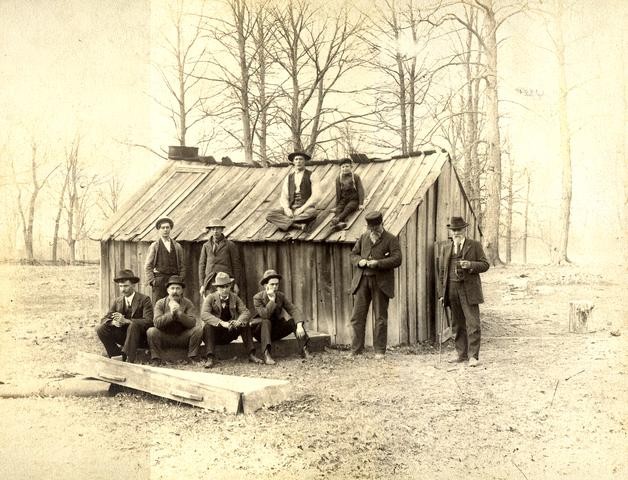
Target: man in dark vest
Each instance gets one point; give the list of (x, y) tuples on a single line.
[(164, 259), (299, 196), (218, 255), (460, 263), (226, 318), (127, 320), (376, 254)]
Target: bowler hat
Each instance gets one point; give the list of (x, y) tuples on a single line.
[(298, 154), (176, 280), (164, 220), (269, 274), (456, 223), (215, 222), (124, 275), (374, 218), (221, 279)]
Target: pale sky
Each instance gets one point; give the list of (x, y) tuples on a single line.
[(85, 64)]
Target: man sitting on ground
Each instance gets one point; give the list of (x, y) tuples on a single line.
[(226, 318), (278, 317), (176, 324)]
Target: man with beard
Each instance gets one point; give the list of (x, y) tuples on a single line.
[(126, 322), (176, 324), (459, 266), (164, 259), (226, 318), (218, 255), (299, 195), (376, 254)]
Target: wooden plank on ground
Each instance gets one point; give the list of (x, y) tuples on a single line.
[(226, 393)]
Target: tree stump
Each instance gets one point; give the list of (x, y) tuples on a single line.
[(579, 316)]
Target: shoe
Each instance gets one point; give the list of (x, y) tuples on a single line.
[(255, 359), (305, 353), (193, 360), (209, 362), (124, 357), (268, 360), (473, 362), (352, 355), (341, 225), (157, 362), (379, 356), (457, 359)]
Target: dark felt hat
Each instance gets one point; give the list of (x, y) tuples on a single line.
[(215, 222), (164, 220), (456, 223), (124, 275), (298, 154), (221, 279), (176, 280), (374, 218), (268, 274), (346, 160)]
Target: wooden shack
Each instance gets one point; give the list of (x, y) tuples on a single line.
[(417, 194)]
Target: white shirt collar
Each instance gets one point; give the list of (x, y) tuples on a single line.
[(167, 243), (129, 299), (298, 176)]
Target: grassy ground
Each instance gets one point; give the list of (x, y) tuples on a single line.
[(544, 404)]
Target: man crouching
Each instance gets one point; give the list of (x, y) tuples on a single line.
[(176, 324), (226, 318)]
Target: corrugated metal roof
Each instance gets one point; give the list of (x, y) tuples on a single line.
[(192, 193)]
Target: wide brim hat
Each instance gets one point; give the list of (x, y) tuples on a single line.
[(124, 275), (374, 218), (292, 155), (268, 275), (221, 279), (457, 223), (176, 280), (215, 222), (164, 220)]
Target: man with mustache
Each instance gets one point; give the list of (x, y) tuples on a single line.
[(376, 254), (218, 254)]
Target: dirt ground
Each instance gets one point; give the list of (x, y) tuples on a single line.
[(544, 404)]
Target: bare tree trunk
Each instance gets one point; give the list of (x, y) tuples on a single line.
[(55, 235), (509, 208), (240, 13), (263, 101), (494, 169), (565, 143), (525, 219), (181, 78)]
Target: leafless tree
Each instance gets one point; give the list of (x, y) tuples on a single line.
[(315, 50), (31, 189), (109, 195)]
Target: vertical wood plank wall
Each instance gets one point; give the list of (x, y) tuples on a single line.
[(317, 276)]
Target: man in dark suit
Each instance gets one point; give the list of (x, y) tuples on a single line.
[(218, 255), (164, 259), (460, 263), (376, 254), (226, 318), (127, 320), (277, 317), (176, 324)]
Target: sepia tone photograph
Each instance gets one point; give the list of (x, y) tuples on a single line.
[(305, 239)]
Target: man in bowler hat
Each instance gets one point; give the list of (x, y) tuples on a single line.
[(376, 254), (298, 198), (460, 263), (226, 318), (124, 326), (163, 260), (218, 254), (176, 324), (277, 317)]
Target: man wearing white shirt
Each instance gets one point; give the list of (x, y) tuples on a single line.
[(124, 326), (299, 195), (163, 260)]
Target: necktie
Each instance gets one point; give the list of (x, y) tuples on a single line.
[(457, 248)]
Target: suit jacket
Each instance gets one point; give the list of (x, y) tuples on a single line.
[(388, 255), (141, 310), (212, 308), (472, 251), (151, 256), (181, 319), (269, 309), (226, 259)]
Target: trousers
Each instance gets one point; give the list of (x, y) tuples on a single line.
[(217, 335), (190, 338), (368, 291), (266, 331), (283, 222), (125, 339), (465, 322)]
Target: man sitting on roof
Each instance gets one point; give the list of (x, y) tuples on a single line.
[(349, 195), (299, 196)]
